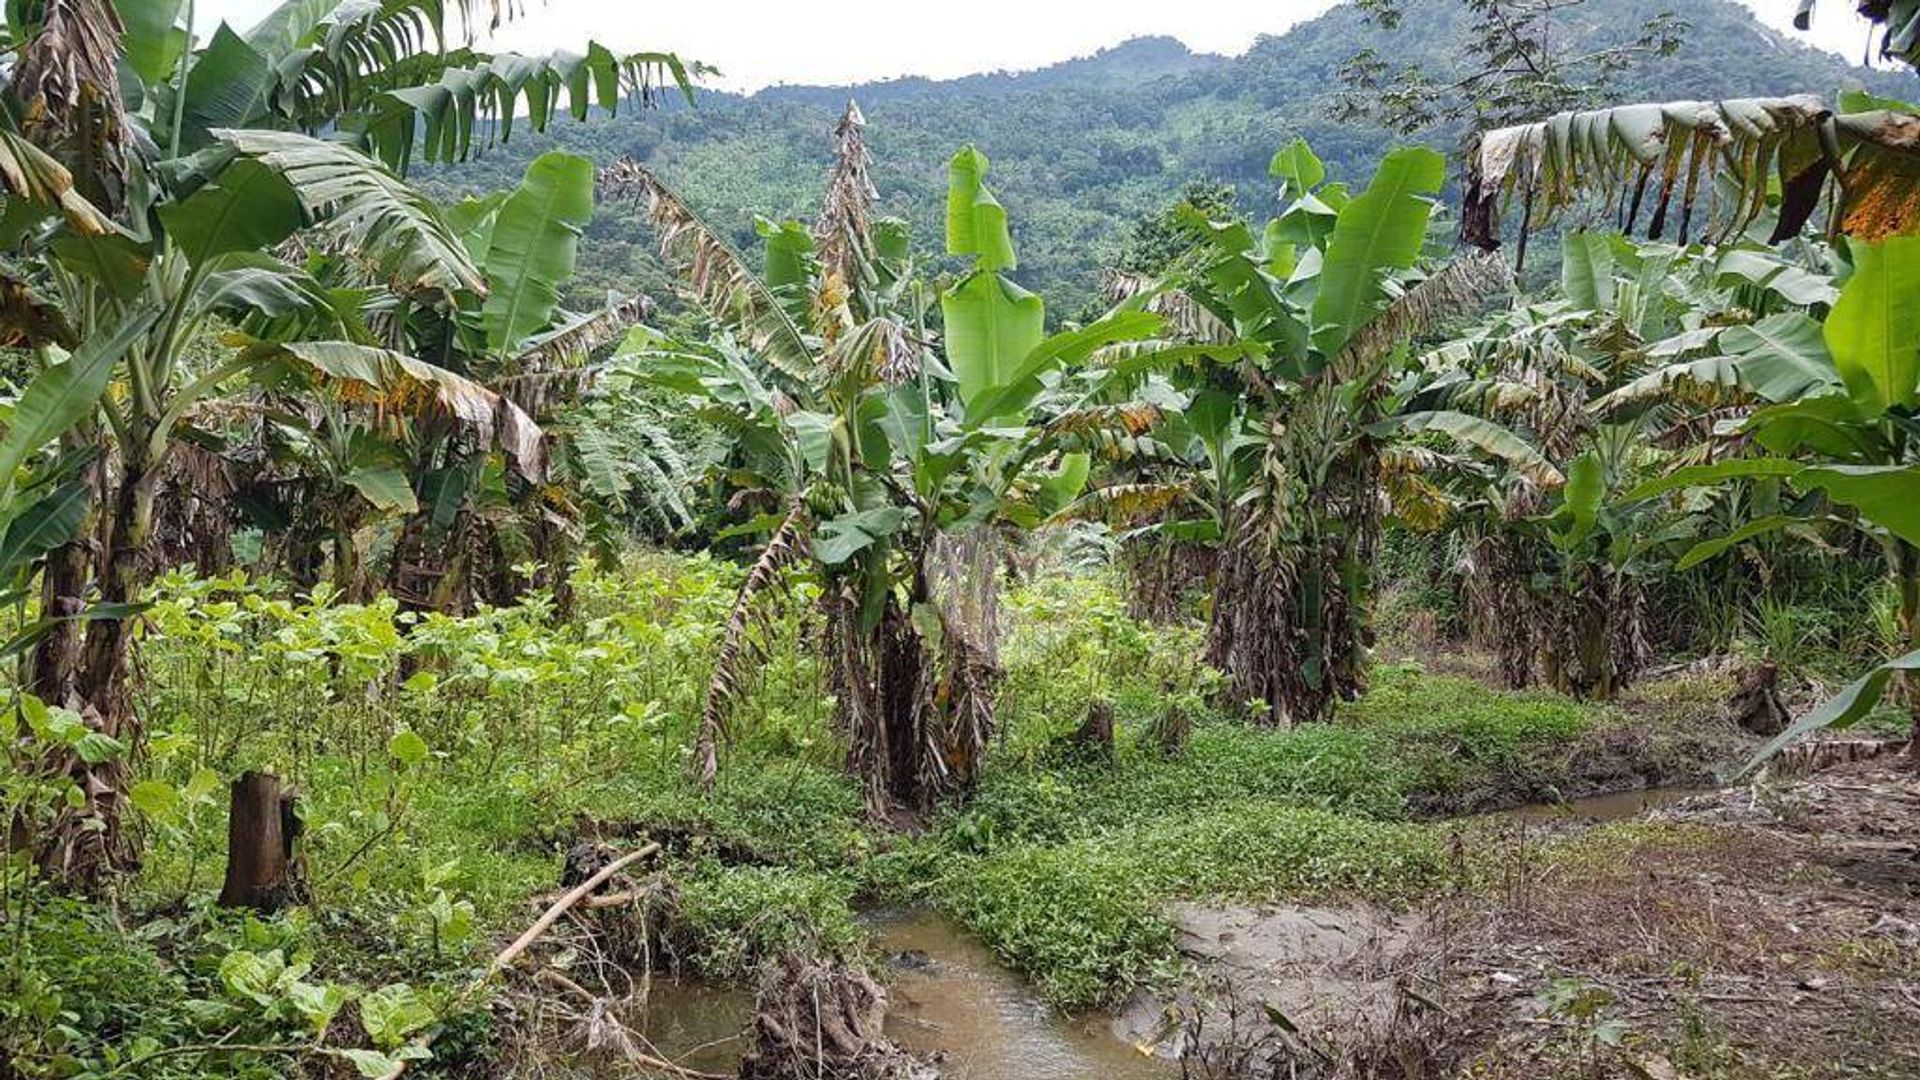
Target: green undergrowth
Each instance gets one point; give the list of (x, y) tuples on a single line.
[(1066, 867), (1087, 919), (446, 767)]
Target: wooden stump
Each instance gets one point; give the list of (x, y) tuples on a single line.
[(1756, 705), (1171, 731), (1094, 740), (261, 829)]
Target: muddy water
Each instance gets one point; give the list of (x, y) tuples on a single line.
[(948, 993), (694, 1024), (952, 995), (1614, 807)]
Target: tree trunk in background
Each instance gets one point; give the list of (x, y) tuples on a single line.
[(54, 667), (55, 664), (1161, 574), (1290, 637), (261, 829), (1093, 740), (1593, 644), (1500, 607)]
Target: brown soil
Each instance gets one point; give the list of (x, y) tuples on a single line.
[(1747, 933), (1757, 932)]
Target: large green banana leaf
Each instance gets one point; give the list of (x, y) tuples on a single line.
[(61, 395), (992, 325), (1379, 231), (389, 74), (349, 195), (976, 222), (530, 254), (1873, 331)]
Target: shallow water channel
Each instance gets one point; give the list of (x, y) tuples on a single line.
[(949, 993), (1598, 808)]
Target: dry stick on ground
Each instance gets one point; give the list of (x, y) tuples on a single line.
[(541, 925), (564, 904)]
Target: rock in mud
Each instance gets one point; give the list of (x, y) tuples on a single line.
[(911, 960)]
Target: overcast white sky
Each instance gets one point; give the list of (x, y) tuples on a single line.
[(771, 41)]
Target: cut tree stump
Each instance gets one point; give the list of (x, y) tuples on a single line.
[(262, 826), (1756, 705), (1094, 739)]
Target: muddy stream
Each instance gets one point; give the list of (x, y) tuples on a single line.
[(949, 993)]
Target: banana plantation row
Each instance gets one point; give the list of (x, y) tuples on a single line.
[(265, 380), (232, 327)]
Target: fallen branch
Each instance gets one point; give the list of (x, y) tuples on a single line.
[(564, 904)]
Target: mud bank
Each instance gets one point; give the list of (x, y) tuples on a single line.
[(1754, 932)]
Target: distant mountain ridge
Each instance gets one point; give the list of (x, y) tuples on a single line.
[(1081, 148), (1128, 63)]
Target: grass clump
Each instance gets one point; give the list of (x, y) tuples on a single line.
[(1258, 850), (734, 918), (1087, 919), (1414, 738), (1076, 919)]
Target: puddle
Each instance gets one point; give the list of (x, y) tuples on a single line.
[(694, 1024), (947, 993), (1613, 807), (992, 1025)]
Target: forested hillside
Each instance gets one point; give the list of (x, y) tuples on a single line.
[(1082, 148)]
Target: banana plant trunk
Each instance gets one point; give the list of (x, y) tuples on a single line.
[(1160, 576), (916, 691), (1593, 642), (84, 845), (54, 665), (1290, 633), (1502, 607), (1292, 599)]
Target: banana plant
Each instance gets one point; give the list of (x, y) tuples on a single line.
[(886, 456), (146, 180), (1626, 371), (472, 503), (1842, 435), (1287, 350)]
